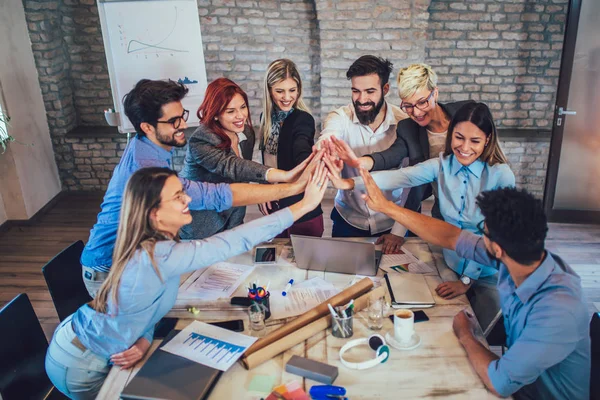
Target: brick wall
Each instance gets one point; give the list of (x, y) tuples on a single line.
[(504, 53)]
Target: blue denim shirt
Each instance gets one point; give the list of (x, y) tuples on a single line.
[(547, 327), (144, 298), (457, 190), (140, 153)]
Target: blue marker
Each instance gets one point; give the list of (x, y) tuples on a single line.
[(287, 287)]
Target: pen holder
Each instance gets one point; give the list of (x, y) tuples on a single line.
[(341, 327), (266, 304), (112, 118)]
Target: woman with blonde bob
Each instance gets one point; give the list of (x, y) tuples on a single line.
[(288, 132), (470, 163), (117, 327)]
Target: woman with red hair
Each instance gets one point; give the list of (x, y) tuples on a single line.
[(220, 151)]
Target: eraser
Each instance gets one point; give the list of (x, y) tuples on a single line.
[(311, 369)]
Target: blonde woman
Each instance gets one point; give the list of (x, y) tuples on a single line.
[(288, 132), (420, 137), (118, 326), (470, 163)]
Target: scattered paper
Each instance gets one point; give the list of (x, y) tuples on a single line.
[(209, 345), (217, 281), (316, 282), (405, 262), (299, 300), (376, 280)]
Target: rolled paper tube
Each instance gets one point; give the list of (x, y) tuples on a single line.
[(359, 288), (306, 332)]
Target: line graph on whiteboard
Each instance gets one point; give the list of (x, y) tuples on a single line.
[(146, 46)]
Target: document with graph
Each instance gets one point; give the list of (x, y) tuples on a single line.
[(217, 281), (209, 345)]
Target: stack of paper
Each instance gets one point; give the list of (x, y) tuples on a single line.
[(217, 281)]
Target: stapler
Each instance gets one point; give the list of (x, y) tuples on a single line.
[(327, 392)]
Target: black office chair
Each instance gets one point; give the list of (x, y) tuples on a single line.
[(64, 280), (23, 348), (595, 372)]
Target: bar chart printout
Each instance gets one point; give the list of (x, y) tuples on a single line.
[(209, 345)]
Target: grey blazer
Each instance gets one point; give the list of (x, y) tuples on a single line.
[(204, 161)]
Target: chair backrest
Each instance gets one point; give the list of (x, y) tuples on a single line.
[(23, 348), (595, 372), (64, 280)]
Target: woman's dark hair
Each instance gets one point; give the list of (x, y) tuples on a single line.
[(479, 115), (144, 102), (367, 65), (516, 221)]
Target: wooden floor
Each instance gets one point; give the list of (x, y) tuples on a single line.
[(25, 248)]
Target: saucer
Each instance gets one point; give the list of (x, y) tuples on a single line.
[(413, 343)]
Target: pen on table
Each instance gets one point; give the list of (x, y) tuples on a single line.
[(287, 287)]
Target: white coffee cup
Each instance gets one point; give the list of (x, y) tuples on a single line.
[(404, 325)]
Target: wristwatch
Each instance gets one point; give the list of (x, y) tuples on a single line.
[(465, 279)]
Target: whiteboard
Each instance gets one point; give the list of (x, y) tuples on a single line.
[(157, 39)]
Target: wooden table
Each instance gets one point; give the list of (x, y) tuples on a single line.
[(438, 368)]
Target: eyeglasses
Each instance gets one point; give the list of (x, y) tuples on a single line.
[(481, 229), (176, 121), (180, 197), (421, 104)]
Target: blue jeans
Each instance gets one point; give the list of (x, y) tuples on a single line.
[(77, 373)]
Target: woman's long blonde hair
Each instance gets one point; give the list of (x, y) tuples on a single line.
[(136, 230), (278, 71)]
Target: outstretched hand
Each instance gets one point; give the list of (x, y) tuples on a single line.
[(374, 197), (296, 172), (316, 187), (344, 152), (335, 173), (315, 160)]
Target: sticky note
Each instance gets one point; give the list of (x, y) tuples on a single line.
[(262, 384)]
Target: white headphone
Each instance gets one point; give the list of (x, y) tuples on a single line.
[(376, 342)]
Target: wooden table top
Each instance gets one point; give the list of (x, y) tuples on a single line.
[(438, 368)]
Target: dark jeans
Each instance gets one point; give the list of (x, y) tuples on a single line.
[(343, 229), (312, 227)]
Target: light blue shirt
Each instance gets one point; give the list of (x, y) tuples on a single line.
[(458, 187), (547, 327), (144, 298), (140, 153)]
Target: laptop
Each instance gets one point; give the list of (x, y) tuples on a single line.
[(336, 255), (166, 376)]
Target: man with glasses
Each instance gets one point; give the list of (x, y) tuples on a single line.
[(155, 110), (420, 137), (545, 313), (368, 125)]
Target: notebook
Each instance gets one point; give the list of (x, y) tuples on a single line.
[(167, 376), (409, 291)]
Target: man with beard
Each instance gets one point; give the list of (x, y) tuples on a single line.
[(545, 314), (367, 125), (155, 110)]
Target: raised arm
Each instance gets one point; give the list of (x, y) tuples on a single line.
[(178, 258), (224, 163), (429, 229)]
